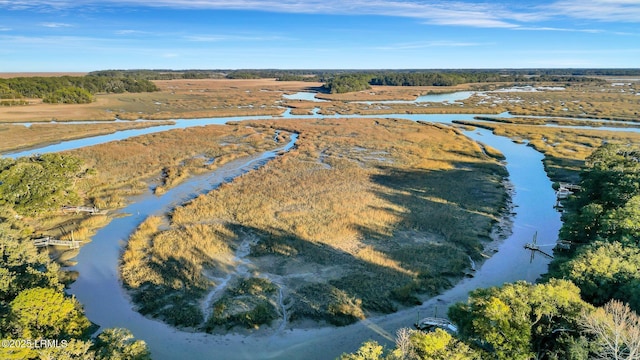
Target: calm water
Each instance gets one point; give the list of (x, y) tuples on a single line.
[(98, 287), (433, 98), (303, 95), (185, 123)]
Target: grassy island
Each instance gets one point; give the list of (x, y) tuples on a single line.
[(364, 216)]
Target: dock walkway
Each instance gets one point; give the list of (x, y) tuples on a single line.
[(47, 240)]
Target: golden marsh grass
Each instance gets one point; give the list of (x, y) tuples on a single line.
[(392, 206), (15, 137)]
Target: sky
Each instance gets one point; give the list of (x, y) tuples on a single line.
[(88, 35)]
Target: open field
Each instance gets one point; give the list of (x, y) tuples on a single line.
[(362, 217)]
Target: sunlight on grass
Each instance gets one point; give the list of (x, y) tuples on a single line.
[(356, 195)]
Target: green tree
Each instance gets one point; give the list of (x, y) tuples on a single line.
[(623, 223), (370, 350), (520, 320), (119, 344), (612, 175), (22, 266), (603, 271), (40, 183), (47, 314), (69, 95), (71, 350), (440, 345)]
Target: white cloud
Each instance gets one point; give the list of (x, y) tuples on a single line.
[(497, 14), (225, 37), (429, 44), (436, 12), (543, 28), (600, 10), (55, 25), (130, 32)]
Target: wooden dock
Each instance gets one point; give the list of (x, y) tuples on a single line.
[(534, 247), (78, 209), (570, 187), (47, 241)]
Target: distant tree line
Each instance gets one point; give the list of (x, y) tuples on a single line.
[(160, 74), (342, 83), (71, 89)]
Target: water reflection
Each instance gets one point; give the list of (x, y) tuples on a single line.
[(303, 95), (98, 287)]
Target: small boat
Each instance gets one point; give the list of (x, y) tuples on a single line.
[(432, 323)]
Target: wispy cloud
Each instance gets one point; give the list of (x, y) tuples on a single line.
[(131, 32), (428, 44), (498, 14), (60, 41), (226, 37), (600, 10), (36, 4), (544, 28), (55, 25)]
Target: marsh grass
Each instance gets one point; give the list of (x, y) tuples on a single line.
[(594, 100), (125, 168), (15, 137), (565, 149), (120, 169), (397, 207), (220, 97), (165, 273), (249, 304)]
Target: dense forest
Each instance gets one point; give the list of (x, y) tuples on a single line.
[(37, 319), (281, 75), (603, 225), (584, 308), (343, 83), (70, 89), (340, 81)]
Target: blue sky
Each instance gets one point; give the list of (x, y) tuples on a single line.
[(86, 35)]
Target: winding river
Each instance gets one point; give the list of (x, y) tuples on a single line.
[(106, 303)]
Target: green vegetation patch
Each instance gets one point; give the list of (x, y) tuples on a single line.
[(249, 304), (34, 306), (39, 184), (603, 227), (71, 86)]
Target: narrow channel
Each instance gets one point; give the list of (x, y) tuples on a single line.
[(106, 303), (99, 289)]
